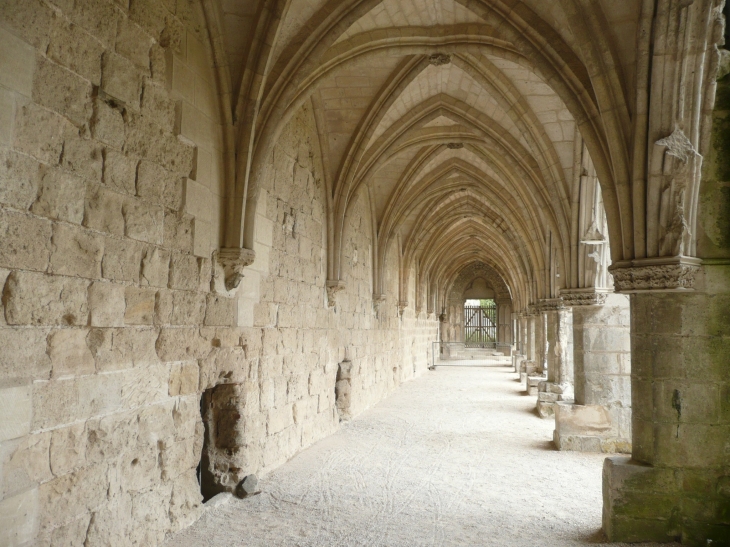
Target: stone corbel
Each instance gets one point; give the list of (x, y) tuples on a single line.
[(402, 305), (333, 287), (656, 274), (584, 297), (378, 301), (233, 262)]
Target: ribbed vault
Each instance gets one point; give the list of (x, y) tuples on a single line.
[(468, 124)]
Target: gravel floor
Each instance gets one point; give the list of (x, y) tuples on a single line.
[(456, 457)]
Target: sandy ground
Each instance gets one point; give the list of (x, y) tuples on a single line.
[(456, 457)]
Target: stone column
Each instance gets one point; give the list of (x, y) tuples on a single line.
[(528, 363), (540, 343), (559, 383), (677, 482), (600, 419), (504, 326), (535, 368)]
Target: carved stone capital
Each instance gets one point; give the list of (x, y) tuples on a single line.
[(402, 305), (233, 261), (333, 287), (583, 297), (656, 274)]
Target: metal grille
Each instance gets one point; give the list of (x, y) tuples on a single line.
[(480, 325)]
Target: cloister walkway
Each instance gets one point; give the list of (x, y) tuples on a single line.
[(456, 457)]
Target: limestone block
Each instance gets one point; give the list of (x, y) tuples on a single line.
[(19, 179), (183, 378), (188, 308), (41, 133), (62, 91), (140, 469), (72, 47), (143, 221), (111, 524), (61, 196), (181, 344), (24, 462), (133, 43), (152, 508), (155, 267), (19, 518), (25, 241), (76, 252), (83, 157), (107, 125), (178, 232), (23, 354), (140, 306), (163, 307), (116, 349), (97, 18), (103, 210), (149, 15), (110, 436), (185, 503), (278, 419), (106, 304), (120, 172), (69, 353), (202, 237), (73, 533), (37, 299), (122, 260), (17, 64), (184, 272), (223, 365), (157, 105), (73, 495), (121, 80), (160, 64), (15, 411), (265, 314), (157, 185), (220, 311), (68, 449)]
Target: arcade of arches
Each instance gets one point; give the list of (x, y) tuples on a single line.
[(277, 206)]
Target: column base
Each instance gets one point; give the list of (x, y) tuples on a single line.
[(642, 503), (592, 428), (532, 382), (549, 395)]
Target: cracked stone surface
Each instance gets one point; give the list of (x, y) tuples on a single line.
[(456, 457)]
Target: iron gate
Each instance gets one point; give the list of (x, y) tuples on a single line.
[(480, 325)]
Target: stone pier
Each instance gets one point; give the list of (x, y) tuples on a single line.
[(677, 482), (600, 419)]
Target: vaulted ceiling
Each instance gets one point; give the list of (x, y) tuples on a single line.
[(465, 122)]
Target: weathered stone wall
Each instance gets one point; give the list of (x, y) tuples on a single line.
[(113, 321)]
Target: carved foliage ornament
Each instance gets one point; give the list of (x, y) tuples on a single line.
[(439, 59), (655, 277), (583, 298)]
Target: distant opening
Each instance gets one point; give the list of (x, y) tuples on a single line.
[(480, 323)]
